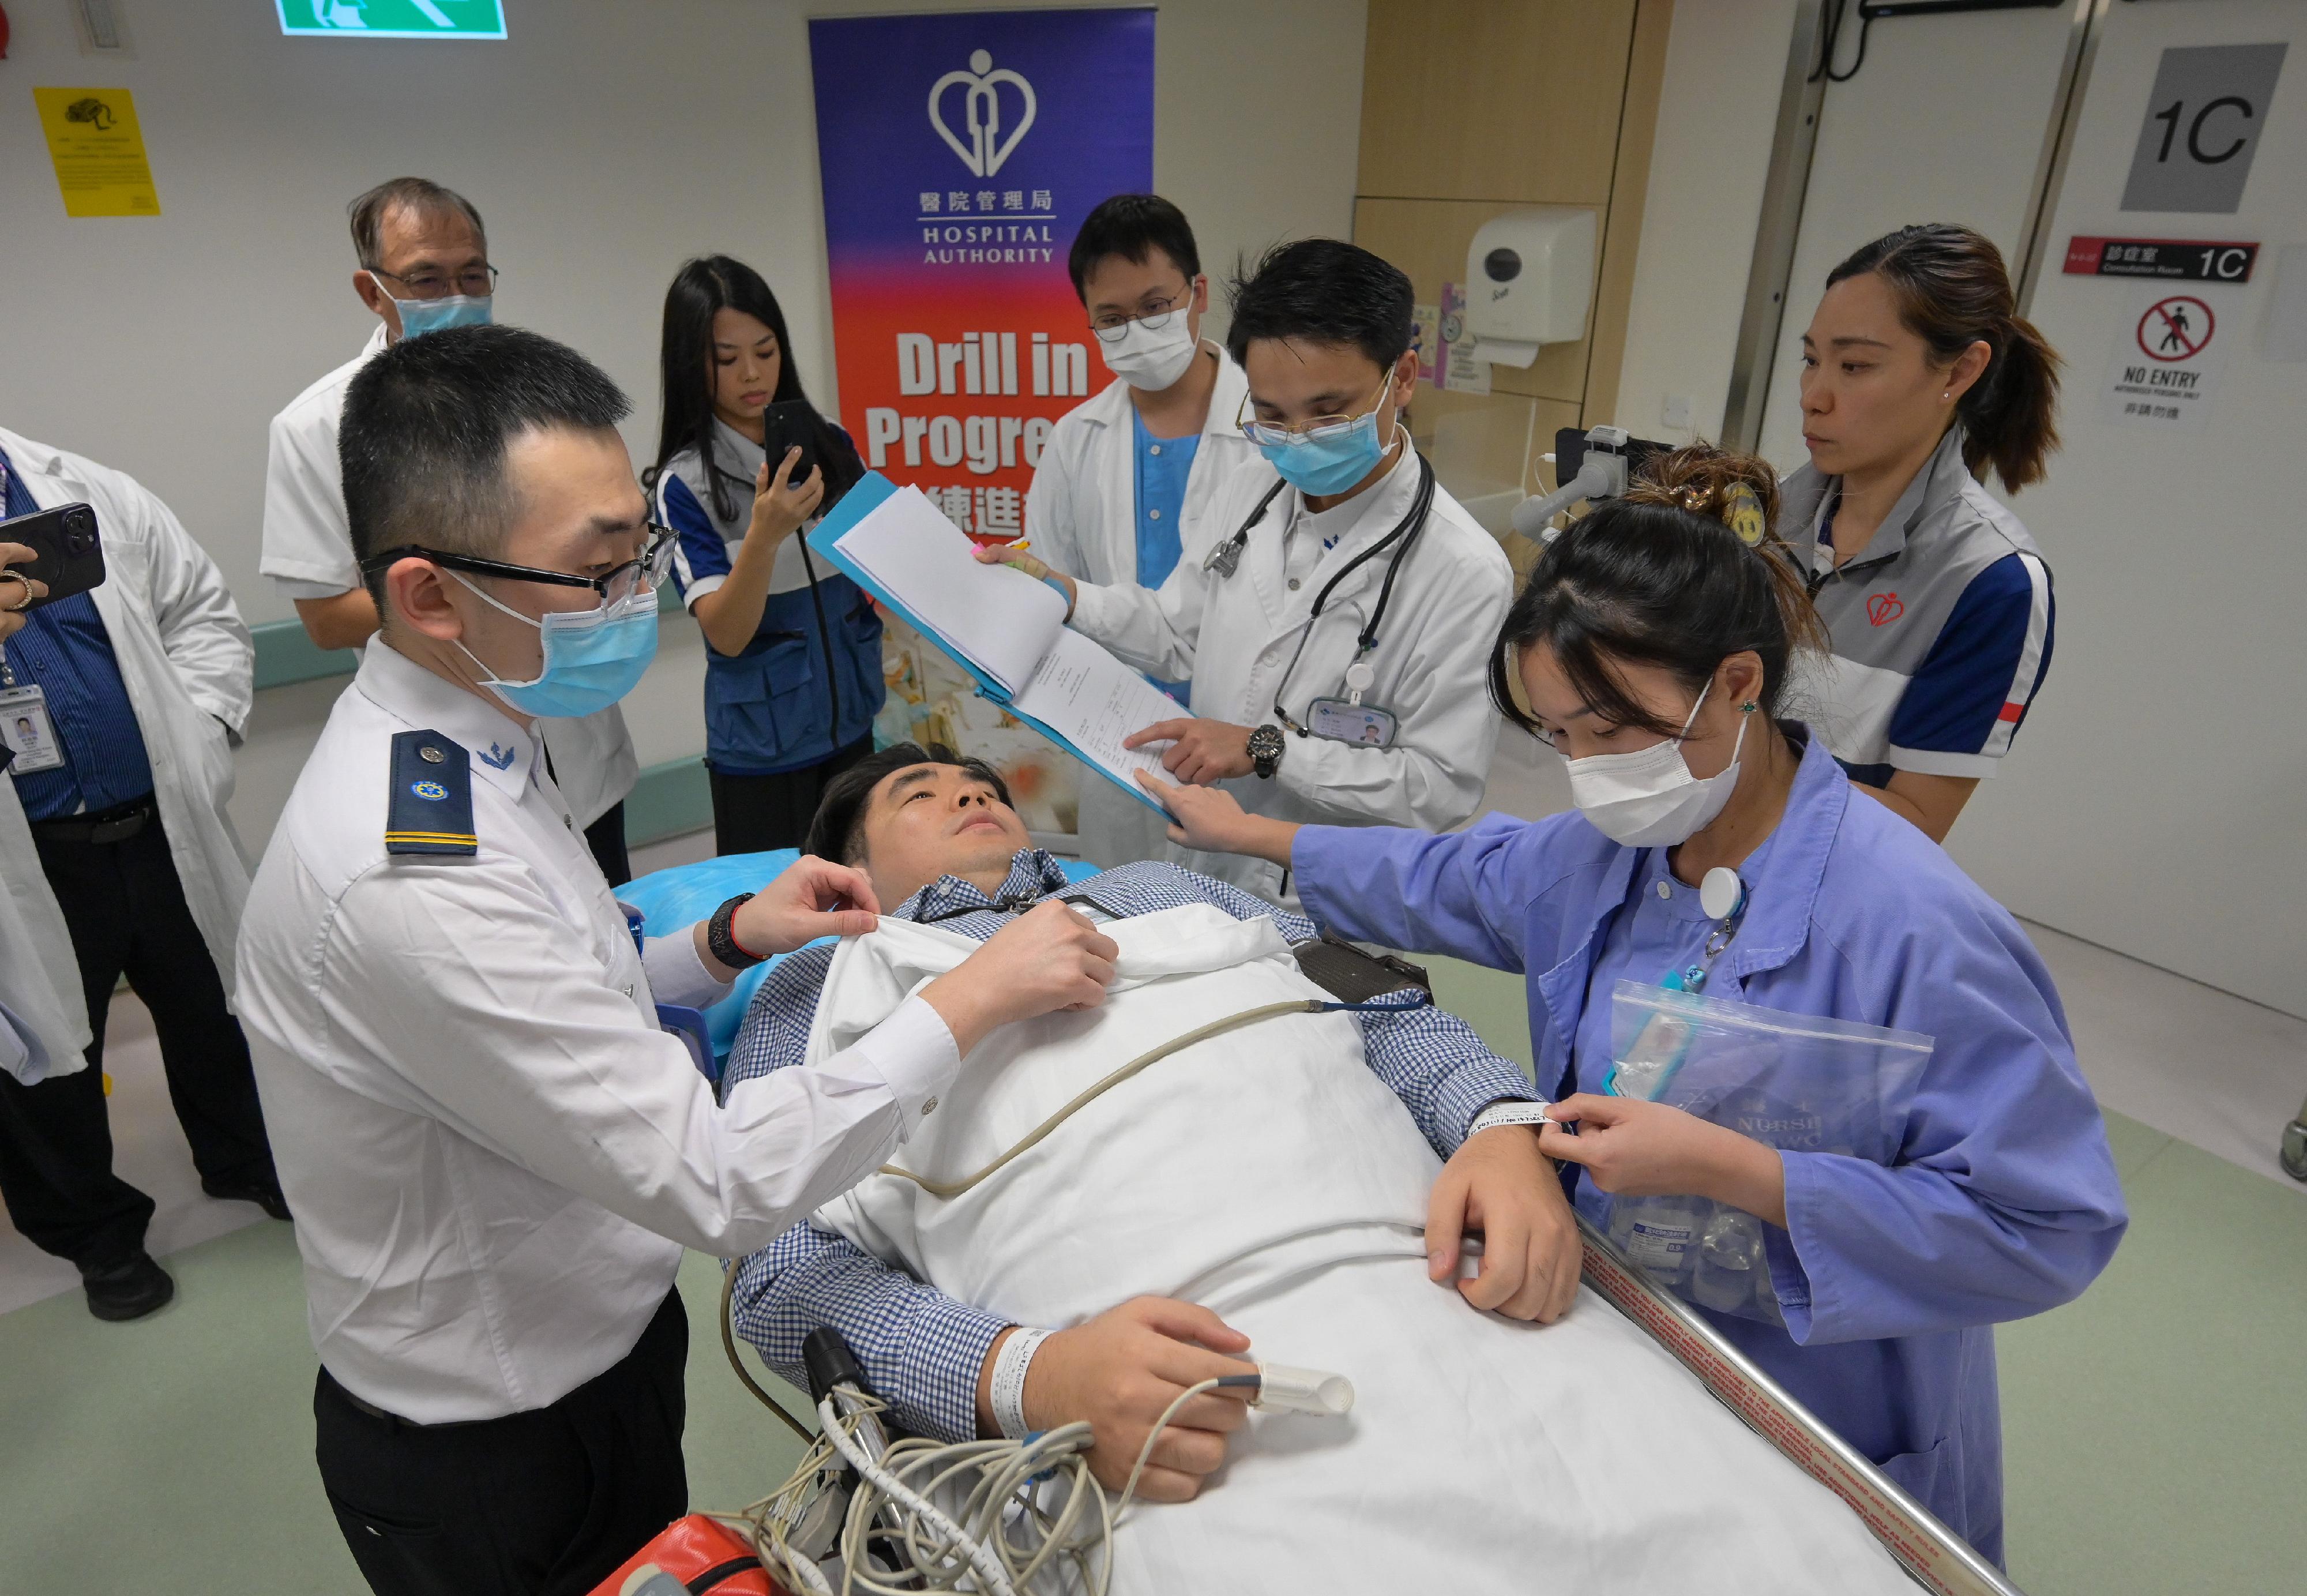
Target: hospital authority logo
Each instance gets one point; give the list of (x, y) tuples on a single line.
[(995, 108), (431, 791), (981, 107)]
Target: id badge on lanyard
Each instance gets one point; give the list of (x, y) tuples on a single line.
[(1365, 726), (27, 732)]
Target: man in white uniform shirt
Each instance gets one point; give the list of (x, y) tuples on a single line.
[(1337, 623), (424, 266), (496, 1155), (1127, 480)]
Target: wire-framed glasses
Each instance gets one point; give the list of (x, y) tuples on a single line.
[(1152, 315), (476, 282), (1283, 434)]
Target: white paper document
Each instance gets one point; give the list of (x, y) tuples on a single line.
[(995, 616), (1011, 629), (1092, 700)]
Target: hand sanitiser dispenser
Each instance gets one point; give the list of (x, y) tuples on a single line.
[(1529, 278)]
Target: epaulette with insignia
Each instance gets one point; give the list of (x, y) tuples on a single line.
[(431, 807)]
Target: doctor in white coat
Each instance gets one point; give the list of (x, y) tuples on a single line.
[(1127, 480), (424, 266), (1337, 623), (167, 634)]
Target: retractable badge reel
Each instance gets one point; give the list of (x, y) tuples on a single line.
[(1349, 719)]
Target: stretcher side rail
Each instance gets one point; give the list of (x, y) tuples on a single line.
[(1937, 1558)]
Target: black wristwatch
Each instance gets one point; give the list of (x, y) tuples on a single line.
[(722, 942), (1266, 746)]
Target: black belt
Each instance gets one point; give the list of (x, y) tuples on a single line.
[(114, 825)]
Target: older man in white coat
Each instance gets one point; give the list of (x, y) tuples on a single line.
[(1126, 481), (424, 266), (1337, 623), (119, 859)]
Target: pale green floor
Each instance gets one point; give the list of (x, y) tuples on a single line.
[(2152, 1426)]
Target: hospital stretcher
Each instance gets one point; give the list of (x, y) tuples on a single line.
[(1936, 1559), (1932, 1556)]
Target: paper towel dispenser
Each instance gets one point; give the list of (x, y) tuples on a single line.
[(1529, 280)]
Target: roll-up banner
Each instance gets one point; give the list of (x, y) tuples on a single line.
[(959, 152)]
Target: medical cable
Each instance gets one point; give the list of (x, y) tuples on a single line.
[(1145, 1060), (745, 1375), (1000, 1512)]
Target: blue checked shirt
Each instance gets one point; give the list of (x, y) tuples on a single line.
[(921, 1349)]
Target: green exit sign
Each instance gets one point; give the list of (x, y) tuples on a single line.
[(393, 19)]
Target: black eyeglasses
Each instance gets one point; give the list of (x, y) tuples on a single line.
[(616, 587)]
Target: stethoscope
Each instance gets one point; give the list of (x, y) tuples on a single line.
[(1225, 559)]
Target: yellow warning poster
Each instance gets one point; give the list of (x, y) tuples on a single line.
[(98, 151)]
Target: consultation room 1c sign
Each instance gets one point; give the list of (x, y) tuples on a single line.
[(393, 19), (959, 153)]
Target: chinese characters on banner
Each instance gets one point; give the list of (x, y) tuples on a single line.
[(959, 154)]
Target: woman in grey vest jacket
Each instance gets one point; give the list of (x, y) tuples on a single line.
[(793, 662), (1918, 377)]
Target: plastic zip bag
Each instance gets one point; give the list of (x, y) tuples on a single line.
[(1792, 1081)]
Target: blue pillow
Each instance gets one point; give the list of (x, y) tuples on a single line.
[(669, 899)]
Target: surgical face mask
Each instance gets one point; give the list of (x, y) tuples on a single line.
[(592, 657), (1151, 358), (1328, 460), (421, 316), (1649, 798)]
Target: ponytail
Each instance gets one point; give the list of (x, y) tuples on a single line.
[(1952, 292), (1683, 571)]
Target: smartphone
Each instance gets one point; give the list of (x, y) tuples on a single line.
[(67, 555), (792, 424)]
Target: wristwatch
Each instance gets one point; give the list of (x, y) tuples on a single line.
[(1266, 746), (721, 937)]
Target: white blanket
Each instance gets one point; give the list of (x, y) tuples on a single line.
[(1270, 1175)]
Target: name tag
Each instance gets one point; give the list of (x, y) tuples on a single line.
[(1364, 725), (26, 731)]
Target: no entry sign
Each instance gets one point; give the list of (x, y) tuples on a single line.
[(2166, 365)]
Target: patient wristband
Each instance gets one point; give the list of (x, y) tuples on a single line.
[(1010, 1381), (721, 940), (1510, 1111)]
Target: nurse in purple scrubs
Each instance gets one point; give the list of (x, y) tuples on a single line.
[(1653, 646)]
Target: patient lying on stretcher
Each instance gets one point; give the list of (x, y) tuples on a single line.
[(1272, 1191)]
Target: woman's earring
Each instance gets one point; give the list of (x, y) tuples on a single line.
[(1948, 395), (1748, 707)]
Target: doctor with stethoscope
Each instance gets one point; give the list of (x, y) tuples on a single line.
[(1338, 632)]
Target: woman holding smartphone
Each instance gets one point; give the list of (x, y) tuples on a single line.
[(792, 674)]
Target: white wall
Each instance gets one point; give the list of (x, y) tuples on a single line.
[(1718, 107), (606, 141)]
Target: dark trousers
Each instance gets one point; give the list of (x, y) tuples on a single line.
[(544, 1503), (607, 837), (127, 916), (752, 814)]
